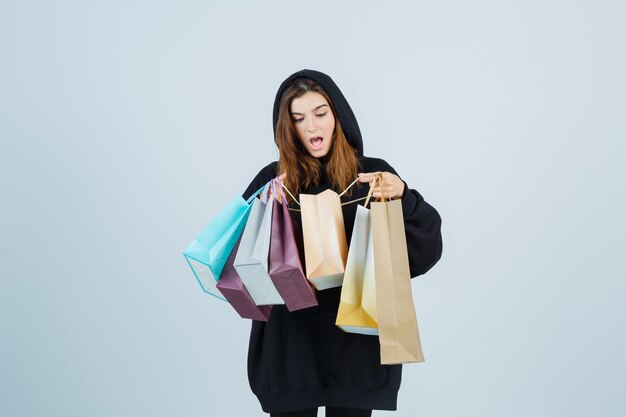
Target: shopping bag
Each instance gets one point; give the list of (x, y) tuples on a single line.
[(397, 323), (325, 246), (251, 260), (285, 265), (357, 304), (235, 292), (208, 253)]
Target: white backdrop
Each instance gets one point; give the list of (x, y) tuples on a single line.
[(126, 125)]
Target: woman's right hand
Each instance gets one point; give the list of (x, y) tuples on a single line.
[(279, 194)]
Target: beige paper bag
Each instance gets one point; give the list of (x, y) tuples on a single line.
[(325, 245), (397, 322)]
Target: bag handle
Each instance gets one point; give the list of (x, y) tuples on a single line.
[(265, 195), (277, 185), (371, 191), (378, 178), (349, 186), (342, 193), (253, 196), (285, 188), (382, 188)]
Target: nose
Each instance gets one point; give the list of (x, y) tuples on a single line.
[(312, 126)]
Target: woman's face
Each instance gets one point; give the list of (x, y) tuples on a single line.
[(313, 122)]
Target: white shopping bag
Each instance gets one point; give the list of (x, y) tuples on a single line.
[(251, 261)]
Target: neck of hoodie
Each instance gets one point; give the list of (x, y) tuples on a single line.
[(324, 160)]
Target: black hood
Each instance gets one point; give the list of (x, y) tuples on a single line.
[(342, 108)]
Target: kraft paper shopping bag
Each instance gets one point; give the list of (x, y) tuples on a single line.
[(397, 322), (325, 246)]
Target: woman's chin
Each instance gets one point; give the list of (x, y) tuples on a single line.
[(318, 153)]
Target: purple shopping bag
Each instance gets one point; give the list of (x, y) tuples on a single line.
[(237, 295), (285, 265)]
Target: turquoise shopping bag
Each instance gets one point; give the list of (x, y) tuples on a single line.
[(208, 253)]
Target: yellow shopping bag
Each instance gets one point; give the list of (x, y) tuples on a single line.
[(357, 305)]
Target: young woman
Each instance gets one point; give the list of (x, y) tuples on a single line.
[(301, 360)]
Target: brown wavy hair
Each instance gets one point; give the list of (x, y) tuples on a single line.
[(302, 168)]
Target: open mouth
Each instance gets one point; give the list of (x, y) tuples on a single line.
[(316, 142)]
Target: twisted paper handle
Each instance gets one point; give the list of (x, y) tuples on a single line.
[(342, 193), (377, 179)]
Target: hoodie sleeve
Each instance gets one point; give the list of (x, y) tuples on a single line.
[(265, 174), (422, 224)]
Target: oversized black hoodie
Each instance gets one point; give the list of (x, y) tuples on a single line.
[(302, 359)]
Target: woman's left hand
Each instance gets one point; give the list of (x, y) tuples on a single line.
[(391, 184)]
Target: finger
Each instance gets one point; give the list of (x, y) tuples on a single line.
[(388, 179), (366, 178), (367, 174), (383, 192), (390, 187), (392, 191)]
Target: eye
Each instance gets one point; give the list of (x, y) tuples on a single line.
[(322, 114), (297, 120)]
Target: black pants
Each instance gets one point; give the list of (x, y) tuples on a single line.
[(330, 412)]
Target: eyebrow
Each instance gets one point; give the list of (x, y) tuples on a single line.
[(321, 105)]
